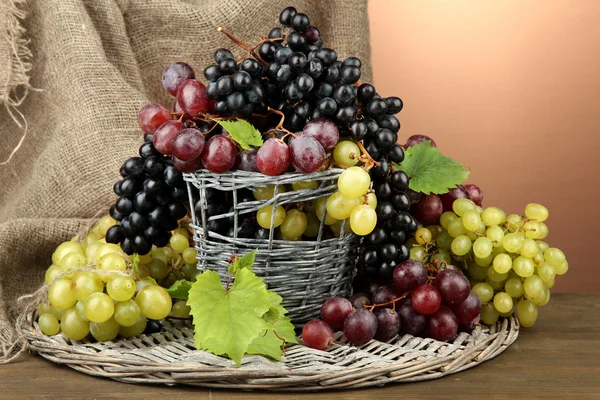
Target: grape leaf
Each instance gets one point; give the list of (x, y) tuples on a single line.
[(429, 170), (227, 321), (246, 261), (180, 289), (242, 132)]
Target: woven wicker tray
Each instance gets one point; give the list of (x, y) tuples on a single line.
[(170, 358)]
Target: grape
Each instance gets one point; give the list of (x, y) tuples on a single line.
[(354, 182), (154, 302), (546, 272), (317, 334), (562, 268), (469, 310), (273, 157), (359, 300), (246, 161), (363, 219), (219, 154), (533, 286), (471, 220), (411, 322), (335, 311), (48, 324), (416, 139), (188, 144), (460, 206), (452, 285), (111, 262), (189, 255), (61, 295), (120, 288), (385, 294), (496, 235), (360, 326), (456, 228), (388, 324), (174, 75), (46, 308), (65, 248), (72, 326), (104, 331), (191, 97), (340, 207), (320, 209), (512, 242), (514, 287), (264, 215), (98, 307), (294, 224), (346, 153), (181, 309), (523, 266), (475, 193), (423, 235), (418, 253), (408, 275), (493, 216), (482, 247), (428, 210), (443, 324), (127, 313), (85, 283), (324, 130), (188, 166), (152, 116), (527, 312), (134, 330), (554, 257), (370, 199), (307, 154), (461, 245), (179, 243), (502, 263), (489, 315), (503, 302), (448, 198), (484, 291), (426, 299)]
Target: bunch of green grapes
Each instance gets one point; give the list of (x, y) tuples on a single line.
[(509, 265), (114, 298)]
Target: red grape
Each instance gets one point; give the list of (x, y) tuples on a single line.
[(191, 97), (163, 137), (469, 310), (428, 210), (448, 198), (426, 299), (246, 161), (359, 300), (475, 193), (152, 116), (360, 326), (273, 157), (187, 166), (188, 144), (174, 75), (324, 130), (443, 324), (385, 294), (317, 334), (307, 154), (411, 322), (408, 275), (453, 286), (416, 139), (219, 154), (335, 310), (388, 324)]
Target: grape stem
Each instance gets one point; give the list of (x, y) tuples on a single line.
[(282, 344), (242, 45), (279, 126), (366, 157), (228, 282), (387, 303)]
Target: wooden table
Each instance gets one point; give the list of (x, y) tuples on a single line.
[(557, 359)]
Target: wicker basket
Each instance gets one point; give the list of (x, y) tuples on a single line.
[(170, 357), (304, 273)]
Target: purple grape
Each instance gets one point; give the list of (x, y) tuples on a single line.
[(335, 311), (219, 154), (475, 193), (443, 324), (359, 300), (324, 130), (360, 326), (388, 324), (413, 196), (317, 334), (469, 310), (164, 135), (187, 166), (174, 75), (416, 139), (409, 275), (452, 285), (385, 294), (188, 144), (246, 161), (273, 157), (426, 299), (411, 322), (307, 154), (428, 209), (448, 198)]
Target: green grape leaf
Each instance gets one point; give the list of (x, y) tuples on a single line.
[(246, 261), (242, 132), (429, 170), (226, 322), (180, 289)]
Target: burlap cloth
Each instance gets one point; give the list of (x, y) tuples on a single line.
[(73, 74)]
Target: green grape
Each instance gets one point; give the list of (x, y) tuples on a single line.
[(499, 250), (542, 246), (527, 313), (89, 239), (134, 330), (92, 250), (294, 224), (107, 248), (281, 236), (312, 225), (181, 231), (502, 263), (337, 228), (84, 283), (435, 231), (536, 211), (320, 208), (418, 253), (104, 331), (471, 220), (523, 266), (476, 272), (472, 236), (264, 214), (103, 224), (120, 288), (46, 308), (48, 324), (73, 260), (508, 314), (99, 307), (340, 207), (543, 298), (146, 258), (461, 245), (154, 302), (512, 242), (423, 235), (554, 257), (80, 310), (460, 206), (363, 220), (494, 276), (370, 199), (411, 242), (495, 234), (531, 229), (444, 240), (529, 248), (514, 222), (190, 271), (456, 228), (446, 218), (354, 182), (514, 287), (546, 272), (542, 231), (72, 326), (52, 273), (61, 295), (484, 262), (533, 286), (181, 309), (503, 302), (266, 193), (482, 247), (441, 257), (550, 284), (179, 243), (538, 259), (111, 262), (346, 153), (157, 269), (168, 252), (498, 286), (127, 313), (484, 291), (303, 185), (493, 216), (562, 268), (65, 248), (189, 255), (489, 315)]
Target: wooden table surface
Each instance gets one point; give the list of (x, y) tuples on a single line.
[(557, 359)]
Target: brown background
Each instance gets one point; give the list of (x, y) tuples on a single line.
[(512, 89)]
